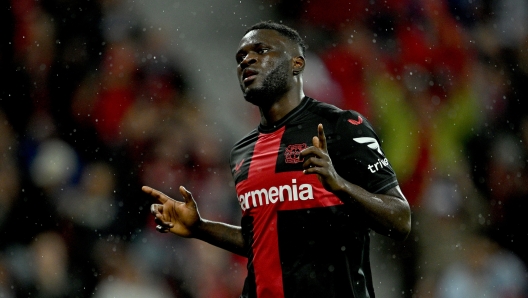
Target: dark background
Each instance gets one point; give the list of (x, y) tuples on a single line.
[(98, 98)]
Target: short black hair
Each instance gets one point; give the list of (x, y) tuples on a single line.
[(284, 30)]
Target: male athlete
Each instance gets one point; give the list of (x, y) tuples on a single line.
[(308, 202)]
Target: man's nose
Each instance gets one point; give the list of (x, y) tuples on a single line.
[(248, 60)]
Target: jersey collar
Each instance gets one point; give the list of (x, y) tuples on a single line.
[(292, 114)]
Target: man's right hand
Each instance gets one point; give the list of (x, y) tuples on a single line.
[(180, 218)]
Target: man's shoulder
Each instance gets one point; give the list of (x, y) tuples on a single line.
[(323, 107), (247, 139), (331, 112)]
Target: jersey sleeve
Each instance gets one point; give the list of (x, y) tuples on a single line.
[(358, 156)]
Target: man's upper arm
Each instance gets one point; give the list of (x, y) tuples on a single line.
[(359, 155)]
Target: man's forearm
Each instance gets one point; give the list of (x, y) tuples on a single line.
[(389, 213), (222, 235)]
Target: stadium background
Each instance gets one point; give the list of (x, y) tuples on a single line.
[(100, 97)]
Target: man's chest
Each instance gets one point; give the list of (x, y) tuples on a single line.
[(268, 173)]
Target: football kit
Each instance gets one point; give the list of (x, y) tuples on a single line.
[(302, 240)]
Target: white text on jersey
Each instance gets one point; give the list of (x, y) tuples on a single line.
[(378, 165), (274, 194)]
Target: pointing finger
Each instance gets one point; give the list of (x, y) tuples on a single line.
[(155, 193), (322, 137)]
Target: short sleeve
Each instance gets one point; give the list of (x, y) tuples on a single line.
[(358, 156)]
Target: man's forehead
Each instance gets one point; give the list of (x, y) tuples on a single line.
[(267, 36)]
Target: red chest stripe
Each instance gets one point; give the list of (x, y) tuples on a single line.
[(264, 193)]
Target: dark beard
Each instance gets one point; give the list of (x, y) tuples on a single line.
[(273, 87)]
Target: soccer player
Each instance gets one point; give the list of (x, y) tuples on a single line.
[(308, 202)]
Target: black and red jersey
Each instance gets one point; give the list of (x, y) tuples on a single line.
[(304, 242)]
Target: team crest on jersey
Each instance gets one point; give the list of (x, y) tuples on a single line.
[(293, 153)]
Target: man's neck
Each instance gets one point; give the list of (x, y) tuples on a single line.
[(280, 108)]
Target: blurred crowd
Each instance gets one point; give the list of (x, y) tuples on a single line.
[(93, 105)]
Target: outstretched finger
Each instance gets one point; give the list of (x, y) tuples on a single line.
[(322, 138), (155, 193)]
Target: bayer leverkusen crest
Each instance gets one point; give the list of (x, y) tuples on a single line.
[(293, 152)]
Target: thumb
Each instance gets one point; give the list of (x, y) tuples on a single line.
[(187, 196)]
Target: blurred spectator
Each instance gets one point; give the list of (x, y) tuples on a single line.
[(6, 290), (54, 164), (123, 275), (319, 81), (485, 270), (498, 157), (91, 203), (51, 266), (42, 268), (9, 176), (116, 91), (349, 63)]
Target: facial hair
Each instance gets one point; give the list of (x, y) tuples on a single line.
[(273, 86)]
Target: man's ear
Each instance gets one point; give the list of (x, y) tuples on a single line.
[(298, 65)]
